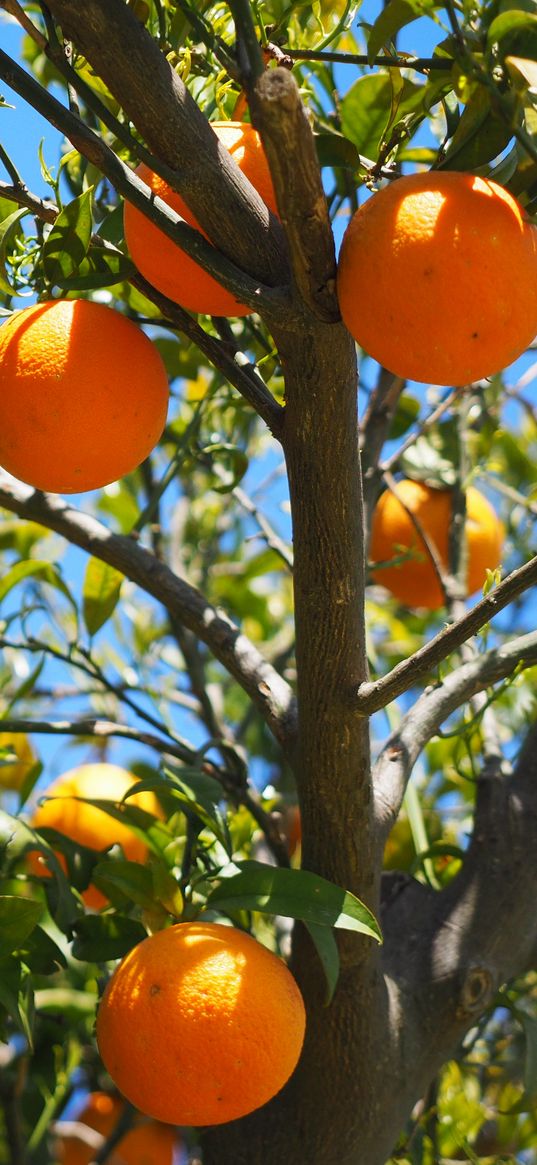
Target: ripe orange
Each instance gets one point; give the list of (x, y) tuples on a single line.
[(162, 262), (200, 1024), (83, 395), (145, 1143), (437, 277), (87, 824), (12, 776), (414, 581)]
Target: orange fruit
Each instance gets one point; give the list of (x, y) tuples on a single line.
[(414, 581), (200, 1024), (12, 776), (87, 824), (83, 395), (162, 262), (437, 277), (145, 1143)]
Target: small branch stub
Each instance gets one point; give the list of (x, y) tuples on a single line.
[(477, 992)]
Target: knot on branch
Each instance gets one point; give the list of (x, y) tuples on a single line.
[(476, 993)]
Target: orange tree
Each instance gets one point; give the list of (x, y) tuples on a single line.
[(214, 621)]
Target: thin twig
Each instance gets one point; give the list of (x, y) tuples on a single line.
[(399, 61), (271, 694), (378, 693), (432, 708)]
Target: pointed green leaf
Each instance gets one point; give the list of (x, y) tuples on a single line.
[(480, 136), (100, 268), (18, 918), (100, 595), (514, 33), (16, 995), (9, 228), (33, 568), (130, 878), (100, 937), (326, 947), (292, 893), (67, 243), (396, 14)]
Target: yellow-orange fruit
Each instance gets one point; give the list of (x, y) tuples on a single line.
[(12, 776), (162, 262), (437, 277), (88, 825), (200, 1024), (83, 395), (414, 581), (145, 1143)]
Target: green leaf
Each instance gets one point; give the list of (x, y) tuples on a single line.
[(394, 16), (326, 947), (100, 937), (9, 229), (407, 412), (372, 106), (200, 795), (228, 464), (100, 268), (294, 894), (18, 918), (428, 462), (41, 954), (100, 594), (21, 690), (66, 1000), (335, 150), (67, 243), (528, 1100), (523, 73), (513, 33), (33, 568), (365, 110), (16, 995), (143, 824), (480, 136), (133, 880)]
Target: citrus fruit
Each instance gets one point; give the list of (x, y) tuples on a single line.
[(145, 1143), (162, 262), (83, 395), (87, 824), (414, 581), (200, 1024), (437, 277), (13, 775)]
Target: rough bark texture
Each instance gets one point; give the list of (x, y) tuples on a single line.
[(399, 1012)]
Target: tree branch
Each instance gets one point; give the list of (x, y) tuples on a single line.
[(378, 693), (266, 688), (278, 114), (105, 729), (399, 755), (227, 207), (126, 182), (450, 952)]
